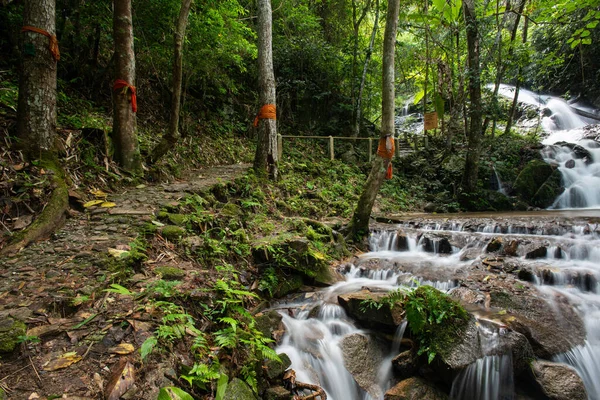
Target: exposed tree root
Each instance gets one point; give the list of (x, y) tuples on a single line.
[(294, 386), (52, 216)]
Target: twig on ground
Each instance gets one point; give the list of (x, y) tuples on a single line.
[(35, 369)]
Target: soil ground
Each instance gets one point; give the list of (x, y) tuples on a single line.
[(83, 342)]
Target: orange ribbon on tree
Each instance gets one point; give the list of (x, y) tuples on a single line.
[(268, 111), (386, 149), (119, 84), (53, 41)]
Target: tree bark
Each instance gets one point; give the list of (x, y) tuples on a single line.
[(355, 98), (36, 109), (469, 181), (359, 226), (266, 158), (361, 89), (124, 120), (170, 138)]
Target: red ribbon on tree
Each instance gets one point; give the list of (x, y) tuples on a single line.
[(53, 41), (119, 84), (268, 111), (386, 149)]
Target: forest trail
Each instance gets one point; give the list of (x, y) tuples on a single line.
[(52, 286)]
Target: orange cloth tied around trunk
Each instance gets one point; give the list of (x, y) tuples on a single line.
[(386, 149), (120, 83), (268, 111), (53, 41)]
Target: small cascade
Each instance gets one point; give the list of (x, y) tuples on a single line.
[(386, 370), (562, 116), (490, 377), (496, 183), (579, 165)]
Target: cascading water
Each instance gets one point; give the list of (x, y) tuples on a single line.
[(577, 159), (317, 326)]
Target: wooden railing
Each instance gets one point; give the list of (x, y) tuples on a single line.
[(407, 138)]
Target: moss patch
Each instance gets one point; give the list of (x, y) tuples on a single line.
[(10, 330), (170, 273), (173, 233)]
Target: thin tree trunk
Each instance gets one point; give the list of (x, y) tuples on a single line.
[(357, 121), (355, 98), (469, 181), (36, 109), (266, 158), (513, 107), (124, 120), (170, 138), (359, 225)]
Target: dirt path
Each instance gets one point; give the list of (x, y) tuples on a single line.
[(71, 349)]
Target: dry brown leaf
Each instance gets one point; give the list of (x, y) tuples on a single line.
[(121, 379), (123, 348), (63, 361)]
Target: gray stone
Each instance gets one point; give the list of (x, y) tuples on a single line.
[(238, 390), (386, 317), (362, 358), (277, 393), (275, 369), (558, 381)]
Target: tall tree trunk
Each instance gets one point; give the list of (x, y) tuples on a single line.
[(359, 225), (355, 97), (124, 136), (519, 80), (469, 181), (36, 109), (266, 158), (361, 89), (170, 138)]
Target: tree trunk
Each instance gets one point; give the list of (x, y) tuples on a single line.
[(358, 113), (36, 109), (124, 121), (266, 158), (359, 226), (355, 97), (170, 139), (519, 79), (469, 181)]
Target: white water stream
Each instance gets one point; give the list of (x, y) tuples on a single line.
[(407, 256)]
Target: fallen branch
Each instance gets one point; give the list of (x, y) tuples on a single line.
[(318, 391)]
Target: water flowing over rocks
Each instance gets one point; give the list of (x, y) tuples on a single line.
[(529, 283)]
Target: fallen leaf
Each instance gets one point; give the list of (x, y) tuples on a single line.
[(123, 348), (125, 247), (63, 361), (121, 379), (108, 204), (22, 222), (140, 186), (33, 396), (18, 167), (92, 203), (116, 253), (158, 223), (98, 193)]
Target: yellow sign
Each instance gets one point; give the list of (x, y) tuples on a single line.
[(431, 121)]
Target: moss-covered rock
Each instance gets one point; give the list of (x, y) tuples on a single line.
[(289, 284), (277, 393), (383, 317), (231, 210), (238, 390), (549, 190), (170, 273), (178, 219), (532, 178), (10, 330), (173, 233), (275, 369)]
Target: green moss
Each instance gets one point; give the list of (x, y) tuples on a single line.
[(178, 219), (531, 178), (10, 330), (231, 210), (173, 233), (170, 273), (549, 191)]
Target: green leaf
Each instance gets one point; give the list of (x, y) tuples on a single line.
[(148, 346), (431, 357), (575, 43), (419, 96), (585, 33), (221, 386), (116, 288), (173, 393), (586, 41), (592, 25)]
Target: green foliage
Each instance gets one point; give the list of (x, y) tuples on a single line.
[(173, 393)]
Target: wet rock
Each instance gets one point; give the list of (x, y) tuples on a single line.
[(546, 194), (10, 330), (525, 274), (550, 325), (269, 322), (362, 358), (238, 390), (277, 393), (537, 252), (274, 369), (570, 164), (386, 318), (406, 363), (558, 381), (468, 296), (510, 249), (494, 245), (415, 389), (518, 346), (461, 349), (531, 178), (435, 243)]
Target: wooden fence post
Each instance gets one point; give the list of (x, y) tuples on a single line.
[(331, 148), (370, 149), (279, 146)]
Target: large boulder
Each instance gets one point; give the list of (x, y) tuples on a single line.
[(550, 325), (558, 381), (362, 358), (415, 389), (385, 317), (462, 348), (531, 179)]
